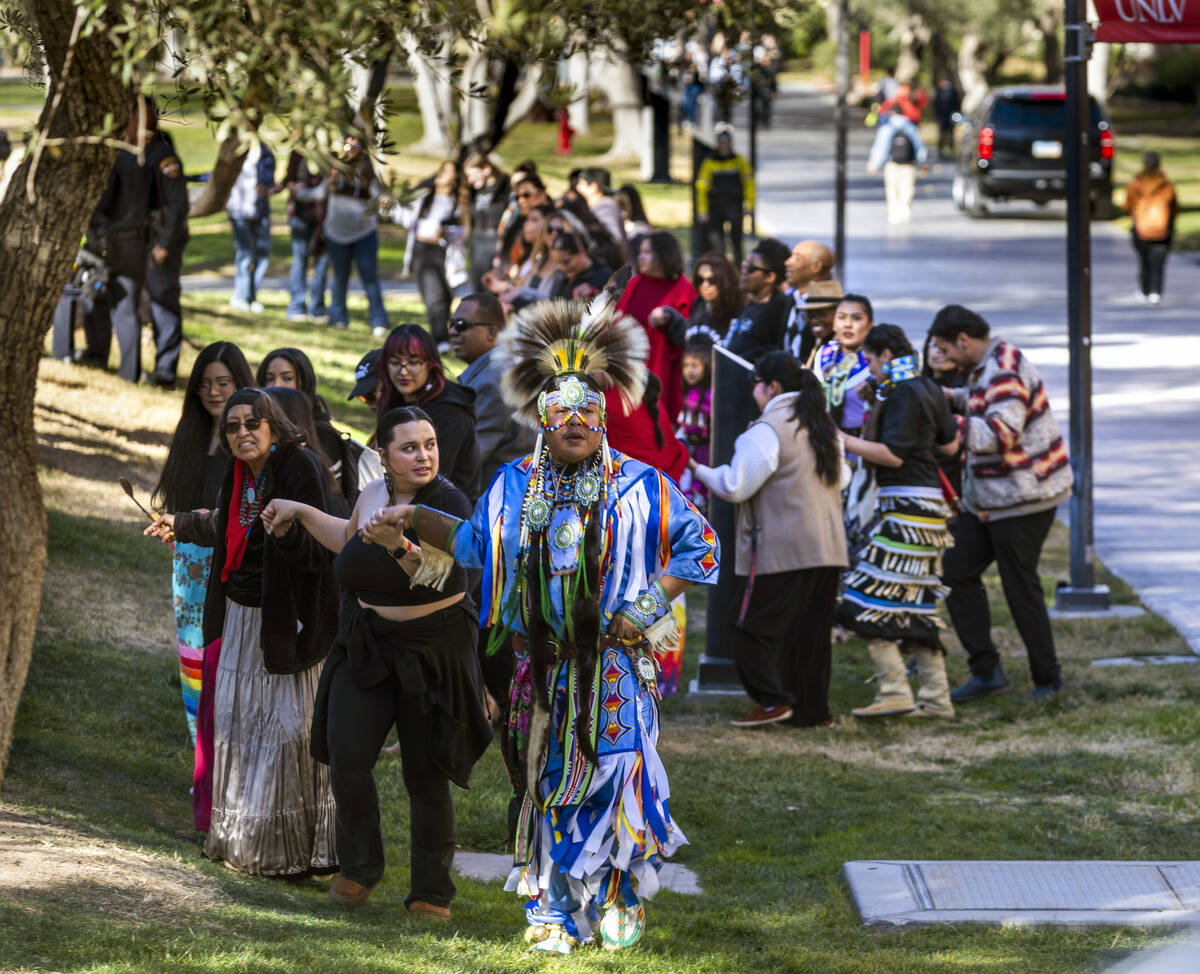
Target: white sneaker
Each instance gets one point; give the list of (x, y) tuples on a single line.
[(379, 331), (256, 307), (237, 304), (1155, 298)]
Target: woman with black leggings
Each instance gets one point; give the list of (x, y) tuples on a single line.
[(404, 657)]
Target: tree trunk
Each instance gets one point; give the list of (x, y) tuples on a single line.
[(428, 79), (527, 96), (1052, 54), (615, 77), (577, 74), (972, 71), (214, 194), (473, 101), (913, 34), (38, 241)]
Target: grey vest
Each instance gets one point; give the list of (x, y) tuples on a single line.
[(795, 516)]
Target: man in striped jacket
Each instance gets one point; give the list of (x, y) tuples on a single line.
[(1016, 474)]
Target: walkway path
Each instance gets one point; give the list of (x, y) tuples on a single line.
[(1011, 267)]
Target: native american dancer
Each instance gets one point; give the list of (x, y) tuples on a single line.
[(891, 592), (582, 550)]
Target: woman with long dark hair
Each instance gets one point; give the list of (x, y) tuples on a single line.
[(841, 364), (271, 612), (405, 657), (412, 375), (786, 477), (718, 298), (891, 592), (291, 368), (191, 479)]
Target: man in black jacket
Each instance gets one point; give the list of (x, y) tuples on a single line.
[(168, 238), (117, 234), (760, 326)]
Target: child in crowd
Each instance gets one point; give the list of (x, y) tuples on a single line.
[(695, 418)]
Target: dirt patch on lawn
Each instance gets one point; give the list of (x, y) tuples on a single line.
[(43, 863)]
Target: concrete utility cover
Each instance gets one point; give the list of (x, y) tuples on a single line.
[(489, 866), (900, 893)]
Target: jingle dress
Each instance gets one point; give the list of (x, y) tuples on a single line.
[(606, 826), (891, 591)]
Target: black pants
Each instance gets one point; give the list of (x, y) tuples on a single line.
[(429, 268), (945, 140), (357, 726), (721, 212), (166, 313), (1152, 260), (1015, 545), (781, 648)]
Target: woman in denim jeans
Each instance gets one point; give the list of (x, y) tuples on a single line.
[(350, 234), (249, 210)]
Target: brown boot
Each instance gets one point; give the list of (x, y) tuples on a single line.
[(893, 696), (346, 892), (933, 697)]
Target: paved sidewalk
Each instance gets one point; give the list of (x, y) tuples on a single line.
[(1011, 267)]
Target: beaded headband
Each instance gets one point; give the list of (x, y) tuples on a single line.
[(571, 394)]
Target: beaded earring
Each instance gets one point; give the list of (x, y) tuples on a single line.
[(387, 482)]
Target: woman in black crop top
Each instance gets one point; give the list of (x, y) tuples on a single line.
[(404, 656)]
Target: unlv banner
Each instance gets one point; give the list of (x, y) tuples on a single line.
[(1149, 21)]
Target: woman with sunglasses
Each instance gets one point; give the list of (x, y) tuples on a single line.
[(412, 375), (191, 478), (405, 657), (270, 614), (718, 298)]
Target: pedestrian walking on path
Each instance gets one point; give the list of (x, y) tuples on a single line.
[(1150, 199), (1016, 474)]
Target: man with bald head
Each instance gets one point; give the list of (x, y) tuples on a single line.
[(809, 261)]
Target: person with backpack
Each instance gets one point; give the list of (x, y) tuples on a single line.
[(898, 150), (1150, 199)]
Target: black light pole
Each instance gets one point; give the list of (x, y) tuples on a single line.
[(1083, 592), (751, 68), (842, 66)]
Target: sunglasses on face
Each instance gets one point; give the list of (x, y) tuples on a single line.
[(525, 196), (231, 428), (460, 325), (705, 279), (749, 268)]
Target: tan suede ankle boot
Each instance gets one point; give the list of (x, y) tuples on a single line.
[(893, 695), (933, 697)]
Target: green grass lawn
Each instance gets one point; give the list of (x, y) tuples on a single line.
[(100, 770)]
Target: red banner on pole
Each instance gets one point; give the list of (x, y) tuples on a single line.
[(1149, 21)]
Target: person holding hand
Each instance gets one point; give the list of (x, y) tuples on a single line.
[(404, 657)]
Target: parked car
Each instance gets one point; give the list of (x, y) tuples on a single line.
[(1012, 149)]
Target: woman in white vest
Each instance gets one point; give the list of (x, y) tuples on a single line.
[(786, 476)]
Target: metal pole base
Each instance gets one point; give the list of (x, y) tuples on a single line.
[(716, 676), (1095, 598)]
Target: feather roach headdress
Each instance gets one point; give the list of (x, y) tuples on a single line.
[(565, 338)]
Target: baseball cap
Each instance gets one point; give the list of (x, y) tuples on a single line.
[(366, 374)]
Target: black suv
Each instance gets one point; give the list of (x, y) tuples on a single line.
[(1012, 148)]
